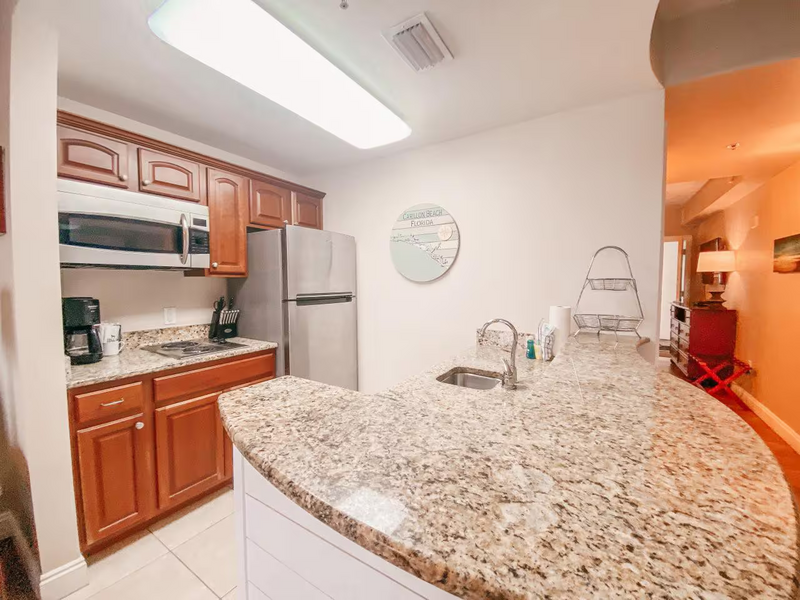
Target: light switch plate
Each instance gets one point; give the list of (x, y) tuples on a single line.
[(170, 315)]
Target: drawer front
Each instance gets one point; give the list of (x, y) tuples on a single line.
[(253, 593), (338, 574), (264, 572), (110, 403), (213, 379)]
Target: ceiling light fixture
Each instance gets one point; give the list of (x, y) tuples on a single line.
[(733, 146), (244, 42)]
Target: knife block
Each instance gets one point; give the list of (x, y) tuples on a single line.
[(224, 325)]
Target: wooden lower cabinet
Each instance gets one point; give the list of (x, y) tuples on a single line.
[(115, 468), (133, 465), (190, 453)]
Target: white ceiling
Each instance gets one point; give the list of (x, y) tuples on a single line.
[(514, 60)]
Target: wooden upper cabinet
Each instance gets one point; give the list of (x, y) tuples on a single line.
[(270, 205), (92, 158), (190, 449), (229, 214), (115, 468), (307, 211), (170, 176)]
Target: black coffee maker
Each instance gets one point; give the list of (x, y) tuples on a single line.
[(81, 339)]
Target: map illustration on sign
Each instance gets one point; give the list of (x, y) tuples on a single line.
[(424, 242)]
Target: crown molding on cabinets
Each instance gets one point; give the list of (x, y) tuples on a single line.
[(85, 124)]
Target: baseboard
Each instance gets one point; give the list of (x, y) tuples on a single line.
[(789, 435), (62, 581)]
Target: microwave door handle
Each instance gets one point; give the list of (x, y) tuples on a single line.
[(185, 250)]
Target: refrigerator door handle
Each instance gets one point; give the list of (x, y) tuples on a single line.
[(322, 299)]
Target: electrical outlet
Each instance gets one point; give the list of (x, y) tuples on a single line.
[(755, 222), (170, 315)]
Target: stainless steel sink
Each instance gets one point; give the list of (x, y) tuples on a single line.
[(469, 379)]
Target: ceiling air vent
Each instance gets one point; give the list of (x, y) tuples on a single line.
[(418, 43)]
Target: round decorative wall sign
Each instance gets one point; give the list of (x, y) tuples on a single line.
[(424, 242)]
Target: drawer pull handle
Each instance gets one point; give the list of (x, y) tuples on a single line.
[(120, 401), (139, 425)]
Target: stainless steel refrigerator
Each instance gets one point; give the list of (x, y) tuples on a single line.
[(301, 292)]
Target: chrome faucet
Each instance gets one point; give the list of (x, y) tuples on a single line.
[(510, 368)]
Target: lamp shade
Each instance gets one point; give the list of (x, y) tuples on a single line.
[(722, 261)]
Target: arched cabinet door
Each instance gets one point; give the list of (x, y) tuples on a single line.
[(167, 175), (94, 158), (270, 205), (307, 211), (229, 213)]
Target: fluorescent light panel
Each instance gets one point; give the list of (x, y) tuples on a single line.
[(244, 42)]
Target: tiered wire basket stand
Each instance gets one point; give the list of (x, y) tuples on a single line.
[(597, 322)]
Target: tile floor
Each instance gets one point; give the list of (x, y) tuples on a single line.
[(190, 555)]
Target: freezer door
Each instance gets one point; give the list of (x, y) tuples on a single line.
[(322, 340), (319, 262)]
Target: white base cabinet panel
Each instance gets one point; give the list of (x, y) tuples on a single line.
[(286, 554)]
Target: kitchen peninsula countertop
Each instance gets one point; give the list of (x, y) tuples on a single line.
[(135, 361), (599, 477)]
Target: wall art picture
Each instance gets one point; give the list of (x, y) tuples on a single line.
[(787, 255), (424, 242)]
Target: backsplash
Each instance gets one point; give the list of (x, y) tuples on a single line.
[(503, 339), (136, 299), (137, 339)]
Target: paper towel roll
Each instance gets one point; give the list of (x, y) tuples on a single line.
[(561, 319)]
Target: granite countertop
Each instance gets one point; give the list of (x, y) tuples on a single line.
[(599, 477), (135, 361)]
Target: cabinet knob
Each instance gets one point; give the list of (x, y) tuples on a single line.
[(214, 265), (146, 182), (139, 425), (123, 178)]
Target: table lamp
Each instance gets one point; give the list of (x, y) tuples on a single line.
[(720, 263)]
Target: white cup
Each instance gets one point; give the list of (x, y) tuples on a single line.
[(112, 348), (111, 338)]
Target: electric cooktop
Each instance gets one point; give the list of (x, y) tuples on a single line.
[(191, 348)]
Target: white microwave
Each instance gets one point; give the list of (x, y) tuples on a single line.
[(104, 227)]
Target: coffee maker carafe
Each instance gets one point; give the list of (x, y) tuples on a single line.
[(81, 339)]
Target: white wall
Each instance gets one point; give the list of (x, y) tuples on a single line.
[(137, 298), (32, 340), (533, 201), (669, 285)]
